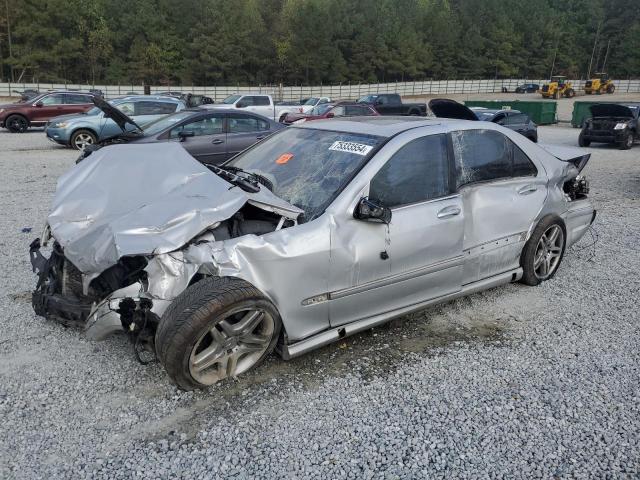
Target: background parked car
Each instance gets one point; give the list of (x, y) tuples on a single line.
[(511, 119), (391, 104), (80, 130), (18, 117), (612, 123), (257, 103), (331, 110), (528, 88), (209, 135)]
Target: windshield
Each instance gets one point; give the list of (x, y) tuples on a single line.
[(231, 99), (312, 101), (321, 109), (307, 167), (165, 122)]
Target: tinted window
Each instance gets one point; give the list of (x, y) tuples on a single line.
[(155, 108), (74, 98), (203, 126), (258, 101), (480, 155), (353, 110), (57, 99), (522, 165), (244, 124), (517, 119), (417, 172)]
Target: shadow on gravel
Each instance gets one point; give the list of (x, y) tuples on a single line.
[(370, 355)]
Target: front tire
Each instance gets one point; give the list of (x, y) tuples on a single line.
[(570, 93), (543, 252), (16, 123), (215, 329), (611, 88), (627, 141), (582, 141), (81, 138)]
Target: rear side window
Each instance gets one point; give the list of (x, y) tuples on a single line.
[(155, 108), (258, 101), (481, 155), (517, 119), (486, 155), (415, 173), (77, 99), (246, 123)]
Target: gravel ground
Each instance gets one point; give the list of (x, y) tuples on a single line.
[(514, 382)]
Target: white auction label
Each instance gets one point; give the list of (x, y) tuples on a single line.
[(351, 147)]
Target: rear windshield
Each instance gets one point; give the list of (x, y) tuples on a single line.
[(308, 167)]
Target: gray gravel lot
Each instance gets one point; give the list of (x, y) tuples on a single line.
[(515, 382)]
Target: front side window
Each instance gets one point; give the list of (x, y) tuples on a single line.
[(204, 126), (308, 167), (246, 123), (155, 108), (419, 171), (56, 99), (128, 108), (517, 119), (338, 111)]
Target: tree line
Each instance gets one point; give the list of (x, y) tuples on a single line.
[(227, 42)]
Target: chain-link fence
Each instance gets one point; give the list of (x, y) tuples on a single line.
[(342, 91)]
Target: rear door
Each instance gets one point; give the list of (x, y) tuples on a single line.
[(208, 143), (77, 102), (502, 194), (243, 130)]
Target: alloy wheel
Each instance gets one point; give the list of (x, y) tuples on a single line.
[(548, 252), (81, 140), (231, 346)]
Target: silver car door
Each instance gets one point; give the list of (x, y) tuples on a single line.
[(500, 204), (418, 256)]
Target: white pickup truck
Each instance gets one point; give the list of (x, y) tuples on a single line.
[(264, 105)]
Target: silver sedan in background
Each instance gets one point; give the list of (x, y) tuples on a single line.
[(316, 233)]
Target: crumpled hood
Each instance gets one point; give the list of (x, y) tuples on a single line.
[(142, 199)]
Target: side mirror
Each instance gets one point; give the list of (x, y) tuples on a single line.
[(372, 212), (331, 115), (184, 134), (38, 104)]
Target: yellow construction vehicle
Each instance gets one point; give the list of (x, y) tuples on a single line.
[(599, 84), (557, 87)]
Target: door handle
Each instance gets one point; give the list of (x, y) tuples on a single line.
[(260, 137), (217, 141), (448, 212), (527, 190)]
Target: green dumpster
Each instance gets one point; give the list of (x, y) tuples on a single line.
[(542, 112), (581, 111)]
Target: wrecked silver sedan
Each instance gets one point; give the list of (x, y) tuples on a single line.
[(316, 233)]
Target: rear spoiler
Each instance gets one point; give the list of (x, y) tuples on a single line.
[(573, 155)]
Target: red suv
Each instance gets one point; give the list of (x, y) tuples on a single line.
[(35, 112)]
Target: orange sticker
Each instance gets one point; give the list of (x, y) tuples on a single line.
[(284, 158)]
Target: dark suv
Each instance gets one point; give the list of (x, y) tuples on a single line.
[(35, 112), (616, 123)]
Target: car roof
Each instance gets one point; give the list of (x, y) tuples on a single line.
[(161, 98), (382, 126), (495, 110)]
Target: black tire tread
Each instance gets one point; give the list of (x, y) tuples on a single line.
[(529, 250), (190, 310)]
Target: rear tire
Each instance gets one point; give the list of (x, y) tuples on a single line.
[(611, 88), (583, 142), (217, 328), (570, 93), (543, 252), (16, 123)]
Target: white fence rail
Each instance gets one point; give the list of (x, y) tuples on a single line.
[(342, 91)]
